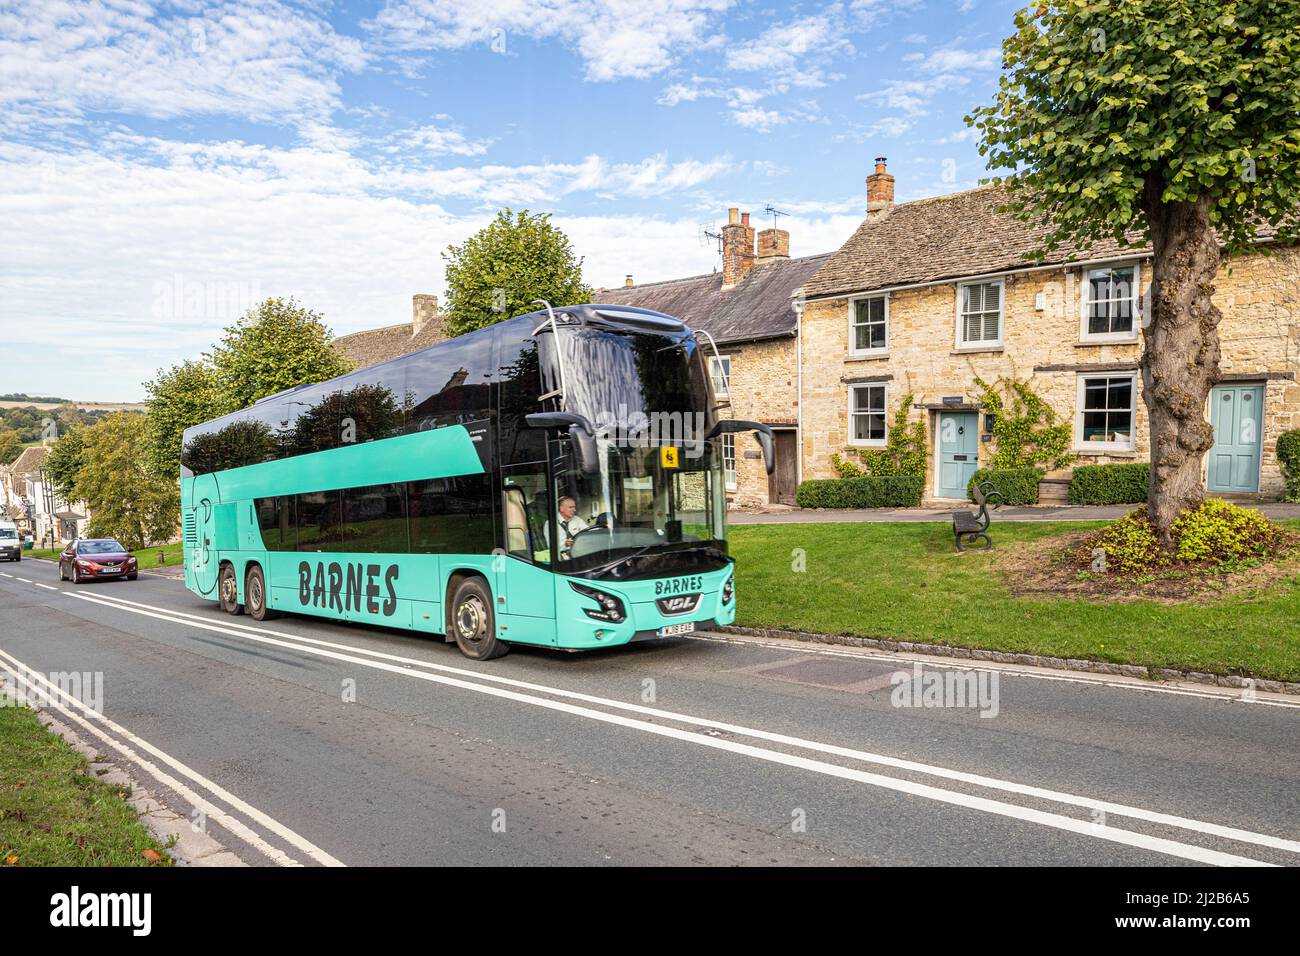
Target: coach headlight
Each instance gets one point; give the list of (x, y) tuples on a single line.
[(611, 608)]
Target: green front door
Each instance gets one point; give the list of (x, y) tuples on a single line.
[(958, 452), (1236, 412)]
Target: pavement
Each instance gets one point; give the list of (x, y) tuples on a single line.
[(1274, 510), (304, 741)]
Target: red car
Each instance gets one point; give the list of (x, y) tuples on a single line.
[(93, 558)]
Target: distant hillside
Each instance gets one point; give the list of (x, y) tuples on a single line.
[(25, 399)]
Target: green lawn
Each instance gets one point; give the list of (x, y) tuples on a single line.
[(148, 557), (903, 581), (53, 812)]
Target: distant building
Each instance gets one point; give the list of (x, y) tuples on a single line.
[(27, 498), (373, 346)]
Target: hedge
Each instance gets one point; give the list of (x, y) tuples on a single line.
[(1288, 456), (891, 491), (1018, 486), (1110, 484)]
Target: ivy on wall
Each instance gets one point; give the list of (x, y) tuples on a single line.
[(905, 453), (1026, 430)]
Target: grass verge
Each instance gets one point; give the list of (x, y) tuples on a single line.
[(53, 812), (146, 557), (903, 581)]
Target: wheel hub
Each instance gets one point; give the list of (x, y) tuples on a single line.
[(469, 619)]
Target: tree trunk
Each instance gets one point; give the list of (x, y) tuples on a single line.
[(1180, 363)]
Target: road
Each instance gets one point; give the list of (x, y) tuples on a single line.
[(310, 742)]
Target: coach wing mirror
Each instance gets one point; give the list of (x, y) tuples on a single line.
[(580, 431), (761, 432)]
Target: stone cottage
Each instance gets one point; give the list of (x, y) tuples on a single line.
[(928, 296), (750, 309)]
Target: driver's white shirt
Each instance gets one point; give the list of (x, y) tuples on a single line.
[(571, 527)]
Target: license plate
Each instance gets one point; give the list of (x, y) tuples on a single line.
[(671, 629)]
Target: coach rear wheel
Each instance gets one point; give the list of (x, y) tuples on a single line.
[(472, 622), (255, 596), (228, 591)]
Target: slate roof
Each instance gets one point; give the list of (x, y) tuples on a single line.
[(756, 308), (30, 461), (946, 237), (373, 346)]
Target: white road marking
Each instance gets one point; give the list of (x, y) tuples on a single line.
[(55, 696), (1110, 833), (24, 580), (46, 586), (4, 575)]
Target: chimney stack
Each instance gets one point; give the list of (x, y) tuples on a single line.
[(773, 244), (880, 192), (424, 309), (627, 283), (737, 247)]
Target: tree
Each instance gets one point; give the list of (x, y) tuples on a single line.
[(126, 501), (1173, 123), (11, 446), (183, 396), (277, 345), (499, 271)]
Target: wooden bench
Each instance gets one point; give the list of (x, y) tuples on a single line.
[(969, 527)]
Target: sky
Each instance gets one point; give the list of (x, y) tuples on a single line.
[(164, 166)]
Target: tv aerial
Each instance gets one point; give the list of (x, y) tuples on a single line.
[(774, 212)]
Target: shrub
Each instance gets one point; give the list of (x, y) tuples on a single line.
[(1129, 542), (1216, 533), (1288, 456), (1219, 531), (1110, 484), (1018, 486), (885, 491)]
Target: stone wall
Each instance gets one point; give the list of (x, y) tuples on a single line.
[(764, 379), (1258, 294)]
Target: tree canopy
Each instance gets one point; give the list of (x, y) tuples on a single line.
[(277, 345), (499, 271), (1107, 105)]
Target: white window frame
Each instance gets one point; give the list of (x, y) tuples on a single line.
[(1085, 301), (853, 326), (729, 459), (1094, 447), (959, 337), (723, 362), (884, 407)]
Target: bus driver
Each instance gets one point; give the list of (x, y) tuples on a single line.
[(569, 523)]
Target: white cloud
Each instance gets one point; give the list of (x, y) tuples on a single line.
[(258, 59), (615, 38), (953, 59), (97, 236), (795, 52)]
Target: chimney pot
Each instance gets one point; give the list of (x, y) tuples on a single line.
[(880, 192), (627, 283), (733, 216), (744, 219)]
